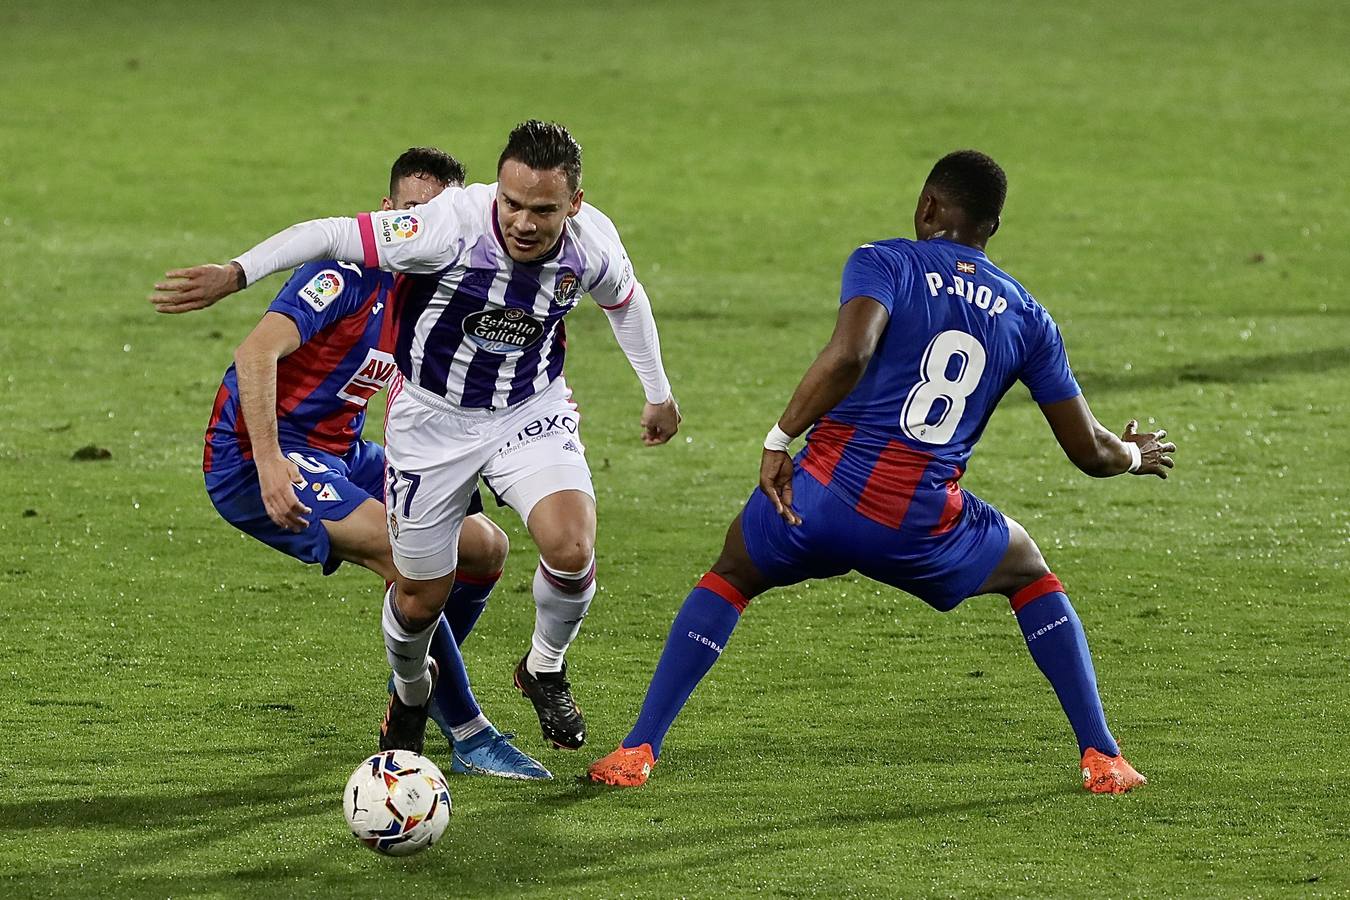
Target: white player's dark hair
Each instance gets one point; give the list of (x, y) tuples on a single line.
[(429, 162), (543, 146)]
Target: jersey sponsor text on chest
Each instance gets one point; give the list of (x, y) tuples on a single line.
[(502, 331)]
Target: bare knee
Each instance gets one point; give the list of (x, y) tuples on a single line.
[(735, 566), (483, 547), (420, 602), (568, 553), (1021, 565), (563, 527)]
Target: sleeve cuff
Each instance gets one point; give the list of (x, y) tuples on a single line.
[(370, 254)]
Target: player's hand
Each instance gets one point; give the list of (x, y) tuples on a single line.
[(278, 479), (660, 421), (775, 480), (184, 290), (1154, 459)]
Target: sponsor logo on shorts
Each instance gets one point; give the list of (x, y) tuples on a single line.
[(397, 229), (322, 289), (544, 427), (503, 331)]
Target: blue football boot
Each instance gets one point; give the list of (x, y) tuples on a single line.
[(489, 752)]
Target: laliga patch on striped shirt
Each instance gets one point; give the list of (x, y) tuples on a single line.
[(965, 268), (322, 289), (400, 228)]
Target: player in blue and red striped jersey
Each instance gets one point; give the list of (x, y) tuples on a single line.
[(285, 463), (929, 338)]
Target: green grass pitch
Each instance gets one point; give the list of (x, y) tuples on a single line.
[(180, 706)]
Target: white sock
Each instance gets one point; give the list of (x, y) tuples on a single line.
[(407, 653), (470, 728), (558, 610)]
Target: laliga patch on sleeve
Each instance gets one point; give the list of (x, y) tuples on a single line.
[(322, 289), (399, 228)]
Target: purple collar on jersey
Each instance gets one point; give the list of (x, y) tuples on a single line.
[(501, 239)]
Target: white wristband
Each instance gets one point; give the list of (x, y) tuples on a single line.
[(1136, 458), (777, 439)]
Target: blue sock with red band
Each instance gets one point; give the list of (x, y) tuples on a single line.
[(452, 700), (1057, 643), (699, 633), (468, 599)]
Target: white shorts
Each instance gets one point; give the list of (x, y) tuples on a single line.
[(435, 452)]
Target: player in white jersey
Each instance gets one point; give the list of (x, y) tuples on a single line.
[(489, 273)]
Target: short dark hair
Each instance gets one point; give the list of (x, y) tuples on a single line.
[(973, 182), (427, 161), (544, 145)]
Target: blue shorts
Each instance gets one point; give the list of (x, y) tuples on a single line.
[(334, 487), (940, 569)]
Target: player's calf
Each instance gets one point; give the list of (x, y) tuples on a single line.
[(483, 548), (409, 623)]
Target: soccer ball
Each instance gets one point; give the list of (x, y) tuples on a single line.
[(397, 803)]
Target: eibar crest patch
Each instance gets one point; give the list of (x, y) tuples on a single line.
[(322, 289), (965, 268), (328, 493)]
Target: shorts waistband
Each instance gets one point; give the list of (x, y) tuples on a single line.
[(441, 404)]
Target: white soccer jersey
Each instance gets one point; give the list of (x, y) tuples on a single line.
[(474, 325)]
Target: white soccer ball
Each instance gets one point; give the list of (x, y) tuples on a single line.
[(397, 803)]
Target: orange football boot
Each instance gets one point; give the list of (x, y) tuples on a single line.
[(625, 767), (1104, 774)]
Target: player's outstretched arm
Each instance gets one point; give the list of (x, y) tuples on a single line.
[(1094, 449), (834, 373), (255, 365), (198, 287), (634, 328)]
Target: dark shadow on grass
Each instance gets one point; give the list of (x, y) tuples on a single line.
[(518, 843), (502, 836), (165, 809), (1239, 368)]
